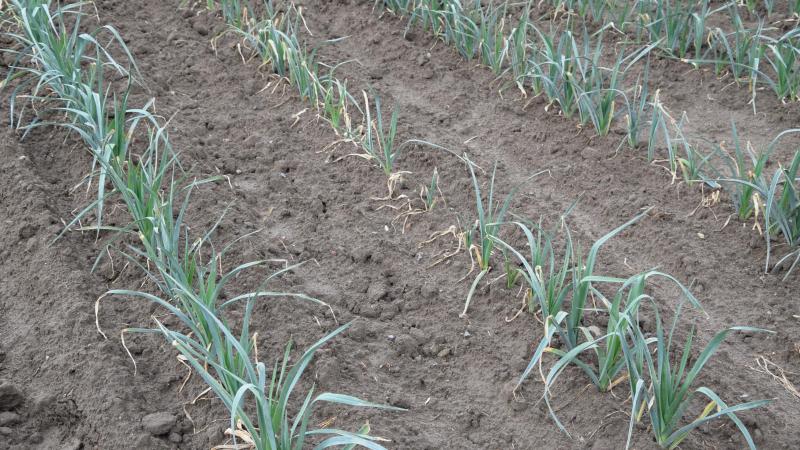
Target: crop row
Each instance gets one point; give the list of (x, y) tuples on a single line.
[(755, 57), (570, 73)]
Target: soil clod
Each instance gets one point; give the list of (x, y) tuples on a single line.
[(10, 396), (159, 424)]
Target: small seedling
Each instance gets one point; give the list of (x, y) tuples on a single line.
[(428, 193)]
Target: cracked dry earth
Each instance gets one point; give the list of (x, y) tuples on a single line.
[(65, 387)]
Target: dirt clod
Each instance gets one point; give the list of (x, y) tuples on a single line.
[(27, 231), (201, 27), (9, 418), (72, 444), (377, 291), (10, 396), (159, 423)]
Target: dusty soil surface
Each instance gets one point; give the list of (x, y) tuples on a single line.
[(70, 388)]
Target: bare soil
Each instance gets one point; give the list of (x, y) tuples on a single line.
[(407, 345)]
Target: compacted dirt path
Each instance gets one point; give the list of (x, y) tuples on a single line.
[(407, 346)]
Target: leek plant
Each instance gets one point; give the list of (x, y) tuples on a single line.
[(490, 217), (518, 50), (634, 119), (605, 369), (748, 166), (784, 61), (669, 394), (428, 193), (544, 274), (494, 45), (782, 212), (379, 141), (571, 282), (260, 405), (560, 69)]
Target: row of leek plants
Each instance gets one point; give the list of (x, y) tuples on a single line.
[(568, 71)]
